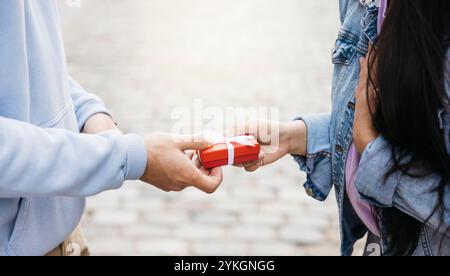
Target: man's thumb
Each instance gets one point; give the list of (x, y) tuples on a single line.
[(193, 142)]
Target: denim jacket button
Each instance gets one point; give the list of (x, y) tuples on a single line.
[(339, 149), (351, 105), (337, 189), (310, 192)]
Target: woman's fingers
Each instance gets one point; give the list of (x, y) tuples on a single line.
[(256, 165), (190, 154), (248, 164), (262, 130)]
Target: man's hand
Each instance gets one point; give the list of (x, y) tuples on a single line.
[(99, 122), (171, 166), (276, 139), (364, 131)]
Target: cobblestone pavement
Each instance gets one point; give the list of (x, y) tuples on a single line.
[(146, 57)]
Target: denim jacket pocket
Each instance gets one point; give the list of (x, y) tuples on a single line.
[(345, 48)]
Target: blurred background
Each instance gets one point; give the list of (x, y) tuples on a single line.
[(146, 57)]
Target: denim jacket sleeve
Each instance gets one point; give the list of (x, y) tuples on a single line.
[(317, 162), (412, 196), (57, 162)]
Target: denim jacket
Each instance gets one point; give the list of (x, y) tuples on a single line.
[(330, 137)]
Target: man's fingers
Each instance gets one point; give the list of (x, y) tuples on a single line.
[(209, 183), (185, 142), (200, 166), (190, 154), (197, 163)]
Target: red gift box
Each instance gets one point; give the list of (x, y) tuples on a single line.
[(230, 151)]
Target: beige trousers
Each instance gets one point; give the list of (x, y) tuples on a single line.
[(74, 245)]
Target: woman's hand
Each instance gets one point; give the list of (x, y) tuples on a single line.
[(276, 139), (364, 131)]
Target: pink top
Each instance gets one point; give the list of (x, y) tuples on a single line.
[(362, 208), (381, 14)]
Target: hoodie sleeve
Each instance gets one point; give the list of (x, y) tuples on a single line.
[(56, 162), (86, 104)]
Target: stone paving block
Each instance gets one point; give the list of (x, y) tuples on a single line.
[(274, 248), (301, 235), (215, 218), (220, 248), (115, 218), (251, 233), (162, 247), (198, 233), (145, 230)]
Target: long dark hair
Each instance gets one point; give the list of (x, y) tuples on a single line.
[(408, 66)]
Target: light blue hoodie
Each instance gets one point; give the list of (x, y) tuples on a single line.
[(46, 167)]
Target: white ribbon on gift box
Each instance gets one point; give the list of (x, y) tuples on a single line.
[(242, 140)]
